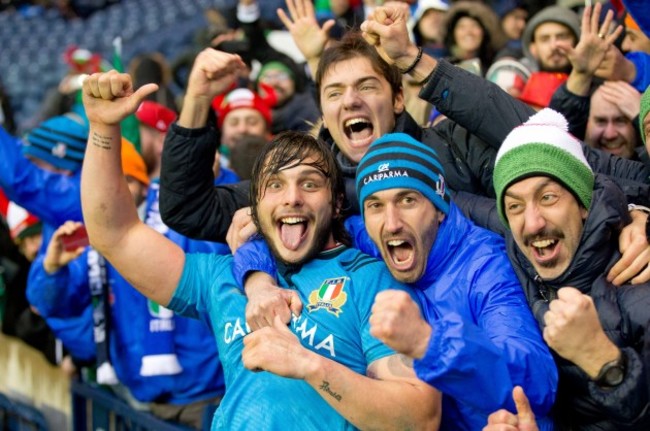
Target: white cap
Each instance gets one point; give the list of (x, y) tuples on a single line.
[(425, 5)]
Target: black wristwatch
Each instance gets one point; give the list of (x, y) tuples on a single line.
[(612, 373)]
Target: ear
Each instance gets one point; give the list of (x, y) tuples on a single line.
[(338, 206), (323, 122), (398, 104), (533, 50)]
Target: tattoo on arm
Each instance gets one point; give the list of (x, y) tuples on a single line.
[(103, 142), (325, 387)]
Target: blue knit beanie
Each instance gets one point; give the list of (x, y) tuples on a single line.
[(397, 160), (60, 141)]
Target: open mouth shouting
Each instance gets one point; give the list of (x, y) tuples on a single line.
[(545, 251), (359, 131), (292, 231), (401, 253)]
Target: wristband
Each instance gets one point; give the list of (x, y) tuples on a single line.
[(634, 207), (415, 63)]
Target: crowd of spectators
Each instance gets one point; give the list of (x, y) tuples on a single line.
[(453, 83)]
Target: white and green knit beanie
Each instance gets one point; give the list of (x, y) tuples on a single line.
[(542, 146)]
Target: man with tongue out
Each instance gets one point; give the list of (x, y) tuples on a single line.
[(563, 226)]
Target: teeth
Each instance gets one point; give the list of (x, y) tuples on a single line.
[(355, 121), (543, 243), (395, 242), (292, 220)]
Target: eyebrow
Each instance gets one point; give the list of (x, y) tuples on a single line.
[(356, 83), (539, 187)]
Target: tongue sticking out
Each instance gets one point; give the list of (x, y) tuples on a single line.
[(291, 234)]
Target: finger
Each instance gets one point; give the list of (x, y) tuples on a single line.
[(120, 85), (295, 304), (615, 34), (280, 325), (502, 417), (642, 277), (104, 85), (617, 273), (594, 18), (637, 265), (308, 9), (550, 317), (327, 26), (607, 22), (371, 38), (293, 12), (569, 294), (300, 8), (586, 20), (247, 231), (285, 19), (524, 412)]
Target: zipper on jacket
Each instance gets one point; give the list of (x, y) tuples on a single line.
[(548, 293)]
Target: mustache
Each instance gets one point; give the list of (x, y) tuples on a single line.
[(543, 234)]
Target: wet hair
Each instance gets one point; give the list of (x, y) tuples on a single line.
[(352, 45), (288, 150)]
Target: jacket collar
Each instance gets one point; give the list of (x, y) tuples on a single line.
[(451, 232)]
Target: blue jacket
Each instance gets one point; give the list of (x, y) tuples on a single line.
[(66, 294), (52, 197), (641, 62), (484, 340)]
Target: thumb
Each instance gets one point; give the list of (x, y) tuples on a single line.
[(139, 95), (295, 304), (524, 412), (280, 325), (327, 26)]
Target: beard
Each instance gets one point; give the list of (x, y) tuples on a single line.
[(321, 236)]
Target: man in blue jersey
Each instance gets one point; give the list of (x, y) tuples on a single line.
[(334, 375)]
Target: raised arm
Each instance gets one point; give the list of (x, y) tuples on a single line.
[(114, 229), (189, 202)]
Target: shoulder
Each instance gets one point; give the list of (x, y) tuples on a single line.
[(214, 267)]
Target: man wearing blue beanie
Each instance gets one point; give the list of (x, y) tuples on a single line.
[(476, 330)]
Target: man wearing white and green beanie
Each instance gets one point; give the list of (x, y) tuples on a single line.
[(543, 146), (563, 227)]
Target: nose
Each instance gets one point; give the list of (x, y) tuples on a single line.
[(293, 196), (534, 221), (610, 131), (350, 98), (393, 222)]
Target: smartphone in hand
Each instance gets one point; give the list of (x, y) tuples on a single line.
[(76, 239)]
